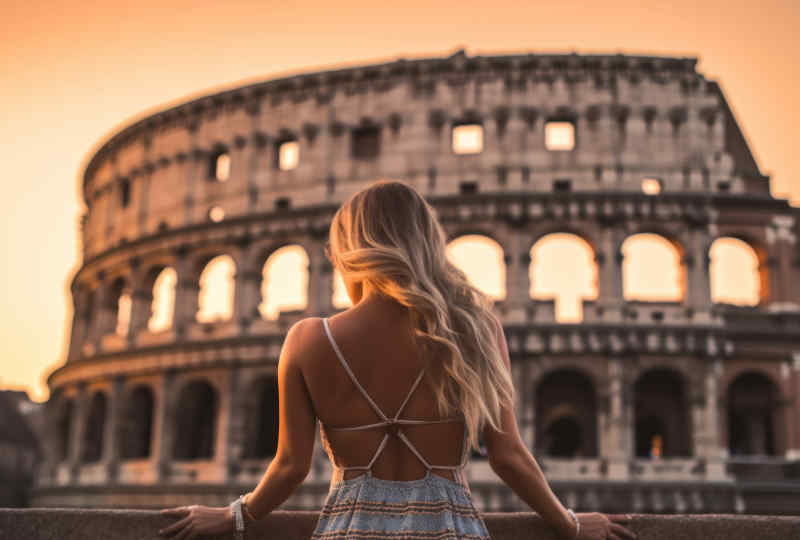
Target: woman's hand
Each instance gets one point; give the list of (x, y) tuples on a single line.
[(597, 526), (196, 520)]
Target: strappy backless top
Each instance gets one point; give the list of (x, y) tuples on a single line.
[(393, 425), (366, 507)]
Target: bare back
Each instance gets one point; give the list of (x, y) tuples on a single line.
[(377, 344)]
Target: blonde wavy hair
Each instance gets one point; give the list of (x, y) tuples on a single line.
[(389, 236)]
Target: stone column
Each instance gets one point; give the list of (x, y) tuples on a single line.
[(696, 263), (254, 147), (104, 316), (619, 430), (781, 242), (187, 290), (793, 411), (320, 281), (705, 416), (78, 429), (112, 427), (247, 294), (80, 327), (166, 406), (191, 159), (609, 275), (144, 193), (53, 410), (141, 303), (518, 281), (235, 424)]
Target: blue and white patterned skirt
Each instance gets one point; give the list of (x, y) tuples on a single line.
[(369, 508)]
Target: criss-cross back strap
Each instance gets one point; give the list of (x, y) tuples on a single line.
[(350, 372), (386, 421)]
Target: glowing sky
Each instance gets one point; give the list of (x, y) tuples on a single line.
[(77, 71)]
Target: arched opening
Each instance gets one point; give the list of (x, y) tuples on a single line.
[(652, 270), (137, 424), (95, 429), (735, 272), (563, 267), (284, 285), (163, 305), (564, 436), (64, 429), (215, 299), (340, 298), (263, 421), (219, 164), (752, 399), (566, 424), (121, 305), (662, 423), (196, 424), (481, 259)]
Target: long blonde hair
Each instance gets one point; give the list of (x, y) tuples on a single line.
[(389, 236)]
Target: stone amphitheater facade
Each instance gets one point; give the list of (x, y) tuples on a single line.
[(149, 419)]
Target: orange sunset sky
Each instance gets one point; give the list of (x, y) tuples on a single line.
[(78, 71)]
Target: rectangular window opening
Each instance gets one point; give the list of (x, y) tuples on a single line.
[(467, 139), (562, 185), (468, 187), (559, 136), (366, 142), (287, 155)]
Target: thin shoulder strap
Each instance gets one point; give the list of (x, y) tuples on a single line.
[(350, 372)]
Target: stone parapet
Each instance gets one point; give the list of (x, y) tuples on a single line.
[(40, 524)]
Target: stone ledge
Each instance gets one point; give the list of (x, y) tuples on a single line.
[(63, 524)]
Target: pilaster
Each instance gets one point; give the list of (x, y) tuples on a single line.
[(609, 268), (81, 411), (112, 425), (187, 290), (166, 405), (320, 281)]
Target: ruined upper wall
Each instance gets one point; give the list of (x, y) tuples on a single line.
[(634, 117)]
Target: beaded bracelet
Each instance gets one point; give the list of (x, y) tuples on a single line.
[(577, 522)]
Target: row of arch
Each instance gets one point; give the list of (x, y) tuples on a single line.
[(565, 405), (194, 430), (562, 267), (566, 425)]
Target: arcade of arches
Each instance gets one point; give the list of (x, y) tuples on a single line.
[(567, 404), (562, 268)]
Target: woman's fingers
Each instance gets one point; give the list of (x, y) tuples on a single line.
[(179, 511), (186, 533), (620, 518), (175, 527), (622, 532)]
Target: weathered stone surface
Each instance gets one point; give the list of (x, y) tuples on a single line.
[(59, 524)]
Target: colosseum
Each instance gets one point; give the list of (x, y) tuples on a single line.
[(686, 404)]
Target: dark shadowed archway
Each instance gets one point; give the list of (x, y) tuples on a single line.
[(195, 422)]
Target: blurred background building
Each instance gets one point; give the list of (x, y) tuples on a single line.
[(657, 365), (21, 428)]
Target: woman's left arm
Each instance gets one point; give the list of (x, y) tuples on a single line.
[(292, 461)]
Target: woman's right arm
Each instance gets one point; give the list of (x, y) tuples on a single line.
[(515, 465)]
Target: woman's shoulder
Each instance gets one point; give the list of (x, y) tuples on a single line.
[(305, 340)]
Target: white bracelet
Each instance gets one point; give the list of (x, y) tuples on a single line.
[(577, 522), (238, 519)]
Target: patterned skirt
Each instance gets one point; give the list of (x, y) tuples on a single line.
[(369, 508)]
